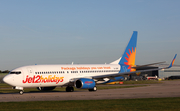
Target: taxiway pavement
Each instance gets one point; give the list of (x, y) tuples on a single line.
[(166, 89)]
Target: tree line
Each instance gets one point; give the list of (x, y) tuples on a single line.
[(6, 71)]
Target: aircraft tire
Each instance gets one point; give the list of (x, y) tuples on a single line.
[(69, 89), (94, 89), (21, 92), (72, 89)]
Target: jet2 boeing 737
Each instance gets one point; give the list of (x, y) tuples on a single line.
[(82, 76)]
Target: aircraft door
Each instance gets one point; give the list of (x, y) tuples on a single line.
[(30, 72), (28, 75)]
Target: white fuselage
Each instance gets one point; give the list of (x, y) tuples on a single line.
[(56, 75)]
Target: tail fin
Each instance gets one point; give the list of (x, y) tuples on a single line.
[(172, 61), (128, 57)]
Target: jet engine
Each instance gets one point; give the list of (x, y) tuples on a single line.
[(85, 83)]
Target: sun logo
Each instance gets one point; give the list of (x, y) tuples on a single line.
[(173, 61), (130, 58)]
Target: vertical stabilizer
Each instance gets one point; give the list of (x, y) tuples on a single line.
[(129, 55)]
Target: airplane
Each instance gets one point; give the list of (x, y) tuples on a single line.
[(81, 76)]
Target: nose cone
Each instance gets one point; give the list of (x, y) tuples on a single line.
[(8, 79)]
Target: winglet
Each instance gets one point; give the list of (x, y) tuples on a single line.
[(172, 61)]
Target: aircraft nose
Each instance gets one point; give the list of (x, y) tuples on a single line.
[(8, 79)]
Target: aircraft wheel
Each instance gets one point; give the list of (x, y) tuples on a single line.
[(94, 89), (69, 89), (21, 92), (72, 89)]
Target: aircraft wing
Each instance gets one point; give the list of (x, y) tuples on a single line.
[(140, 66), (127, 73), (124, 73)]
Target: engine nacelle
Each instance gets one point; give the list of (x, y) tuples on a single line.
[(84, 83), (45, 88)]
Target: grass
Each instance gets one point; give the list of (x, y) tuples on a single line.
[(3, 85), (2, 75), (151, 104)]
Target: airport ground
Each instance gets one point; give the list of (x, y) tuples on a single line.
[(165, 89), (164, 96)]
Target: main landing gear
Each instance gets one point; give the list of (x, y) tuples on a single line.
[(69, 89), (93, 89)]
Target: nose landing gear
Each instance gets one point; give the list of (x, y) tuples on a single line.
[(21, 92), (19, 88)]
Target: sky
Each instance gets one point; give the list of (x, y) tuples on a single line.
[(87, 31)]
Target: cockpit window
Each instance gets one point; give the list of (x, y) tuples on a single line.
[(15, 72)]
